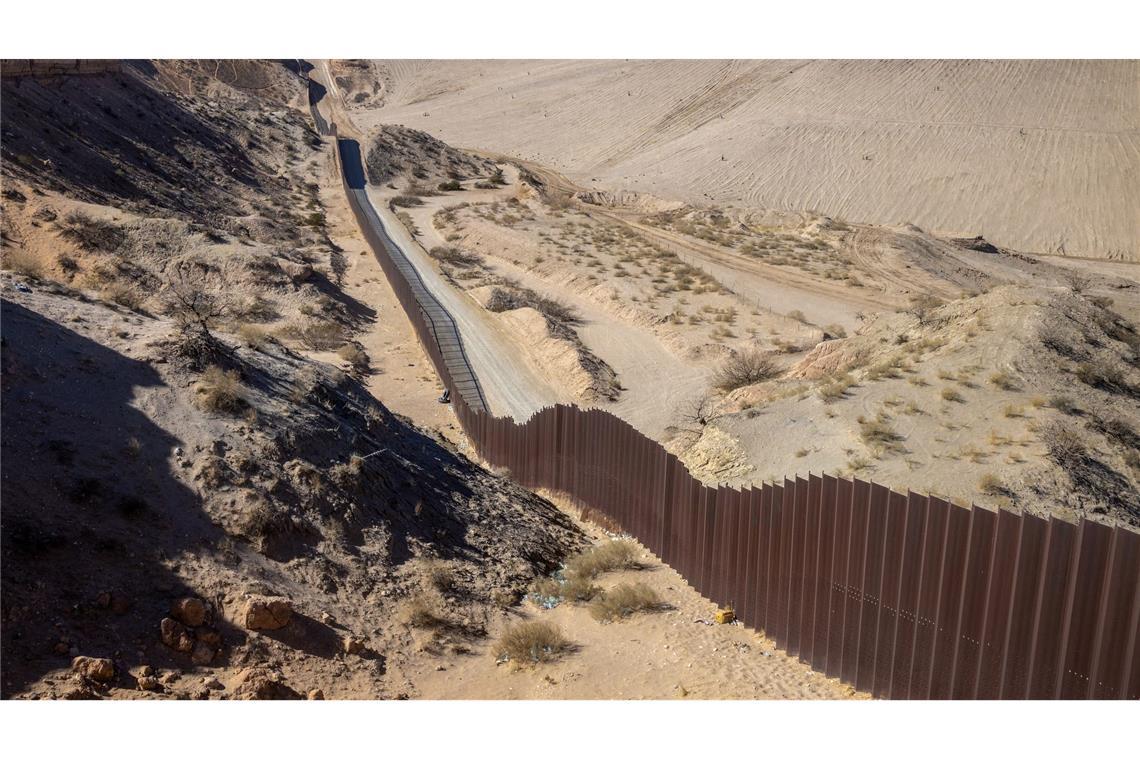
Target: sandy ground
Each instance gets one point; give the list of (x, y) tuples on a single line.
[(672, 654), (1035, 155)]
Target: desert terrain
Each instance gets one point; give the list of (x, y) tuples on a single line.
[(226, 472), (1033, 155)]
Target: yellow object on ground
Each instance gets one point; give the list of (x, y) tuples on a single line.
[(725, 616)]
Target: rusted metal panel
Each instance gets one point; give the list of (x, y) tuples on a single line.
[(972, 607), (766, 562), (926, 614), (953, 573), (857, 552), (751, 570), (1109, 668), (821, 622), (893, 534), (1045, 652), (910, 580), (782, 506), (869, 586), (1032, 533), (837, 604), (810, 571), (1003, 573), (1088, 587), (796, 564)]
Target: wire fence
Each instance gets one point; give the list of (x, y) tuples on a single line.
[(903, 596)]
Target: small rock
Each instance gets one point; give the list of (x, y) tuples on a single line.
[(266, 614), (175, 635), (316, 694), (209, 637), (327, 619), (61, 647), (352, 645), (103, 600), (120, 605), (95, 668), (212, 683), (148, 683), (203, 654), (170, 676), (189, 610), (255, 683), (146, 670)]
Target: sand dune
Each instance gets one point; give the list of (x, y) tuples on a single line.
[(1037, 155)]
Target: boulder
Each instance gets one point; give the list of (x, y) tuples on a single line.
[(316, 694), (263, 613), (176, 636), (255, 683), (298, 272), (95, 668), (189, 610)]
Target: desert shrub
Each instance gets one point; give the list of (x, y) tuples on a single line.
[(797, 315), (320, 335), (992, 485), (92, 234), (836, 389), (497, 177), (22, 262), (1012, 410), (923, 307), (1065, 447), (253, 336), (256, 309), (952, 394), (744, 368), (531, 642), (407, 201), (513, 297), (879, 432), (1064, 404), (356, 357), (1004, 380), (835, 330), (454, 255), (485, 185), (624, 600), (450, 186), (123, 294), (1099, 375), (612, 555), (440, 576), (891, 368), (219, 390), (578, 589), (420, 611)]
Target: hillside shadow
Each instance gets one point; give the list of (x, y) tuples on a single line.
[(90, 506)]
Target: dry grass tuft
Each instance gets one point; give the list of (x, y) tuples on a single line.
[(992, 485), (624, 600), (419, 611), (1004, 380), (953, 394), (531, 642), (219, 390), (604, 558)]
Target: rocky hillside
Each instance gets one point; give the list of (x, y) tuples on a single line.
[(195, 506)]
